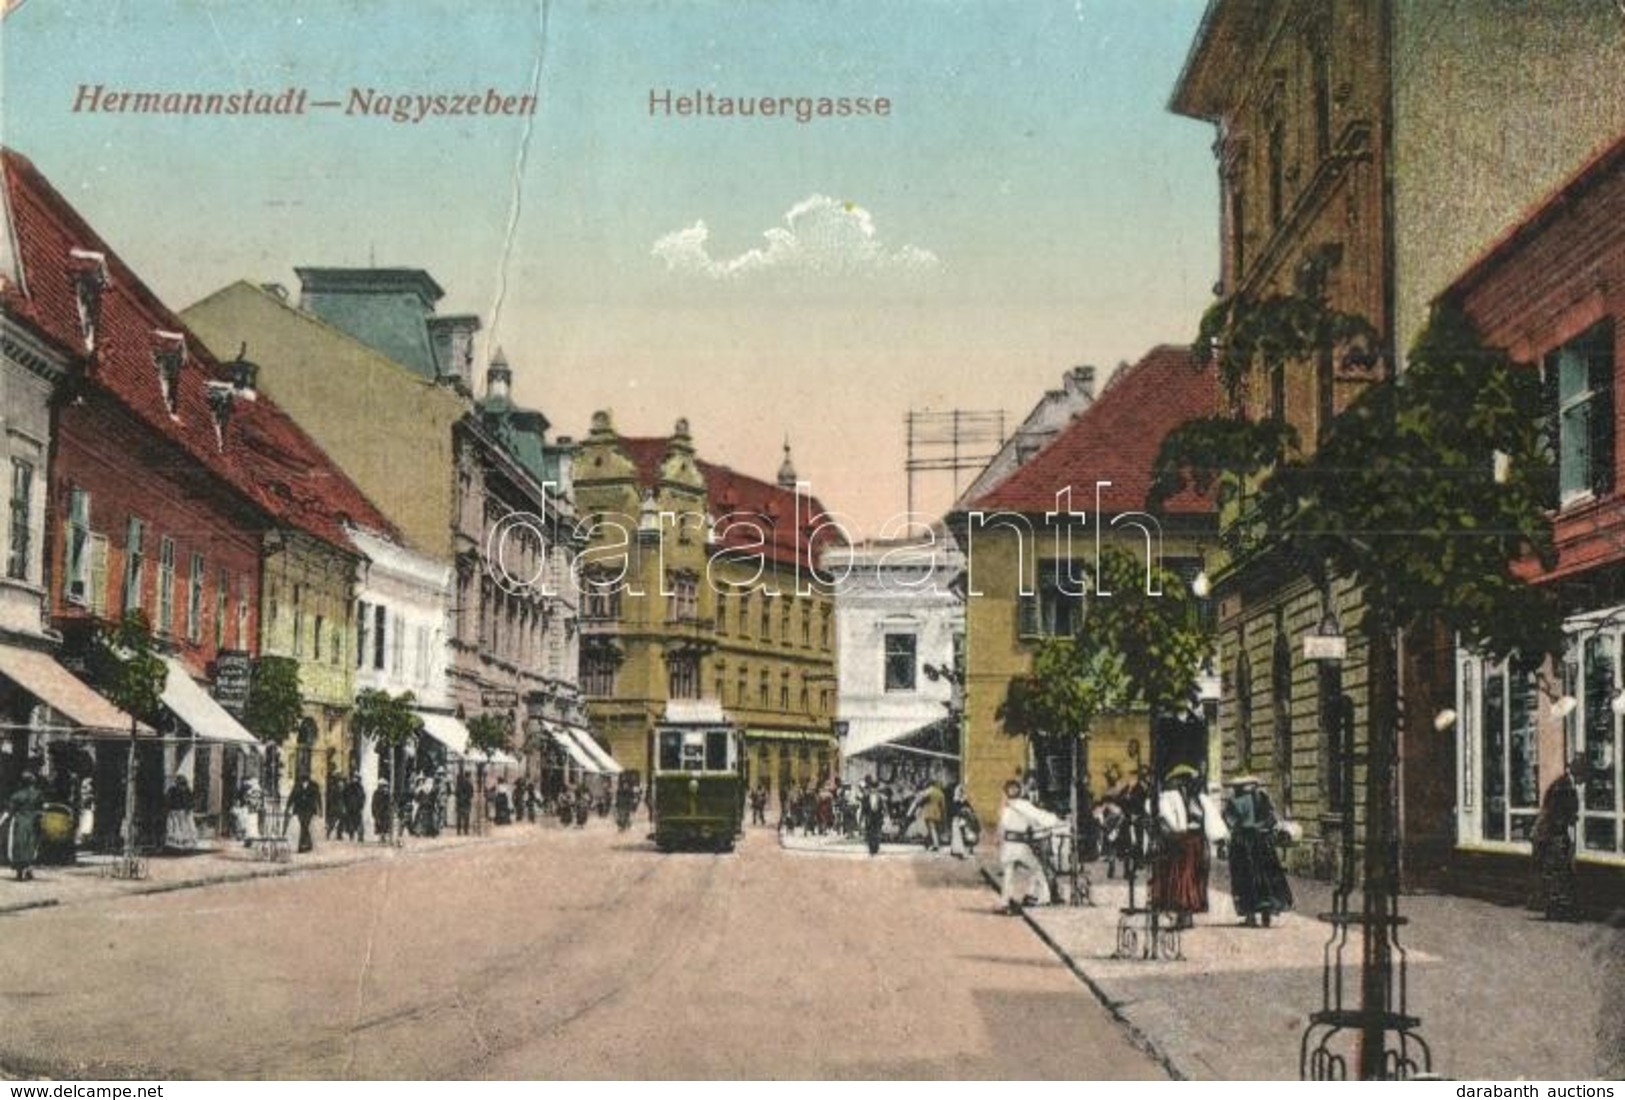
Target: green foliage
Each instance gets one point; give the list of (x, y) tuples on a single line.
[(1199, 453), (1403, 493), (274, 701), (1135, 650), (1235, 334), (490, 733), (131, 673), (387, 719)]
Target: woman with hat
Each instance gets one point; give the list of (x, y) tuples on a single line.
[(1187, 818), (1256, 878), (1553, 842), (22, 826)]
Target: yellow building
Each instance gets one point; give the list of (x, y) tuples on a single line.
[(1030, 539), (698, 582)]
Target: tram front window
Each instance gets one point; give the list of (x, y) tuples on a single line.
[(671, 750), (716, 751)]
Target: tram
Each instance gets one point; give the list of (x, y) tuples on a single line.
[(697, 787)]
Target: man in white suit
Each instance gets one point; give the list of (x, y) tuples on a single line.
[(1022, 826)]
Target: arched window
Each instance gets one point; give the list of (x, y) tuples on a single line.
[(1281, 695), (1244, 713)]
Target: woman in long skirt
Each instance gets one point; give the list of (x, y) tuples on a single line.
[(1179, 874), (1257, 879), (21, 833)]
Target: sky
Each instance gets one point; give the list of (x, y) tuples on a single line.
[(1027, 204)]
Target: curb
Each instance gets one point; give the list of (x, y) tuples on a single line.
[(1136, 1035), (251, 876), (25, 906)]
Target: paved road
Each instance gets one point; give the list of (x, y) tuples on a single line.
[(556, 955)]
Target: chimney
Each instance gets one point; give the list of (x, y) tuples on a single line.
[(1081, 381)]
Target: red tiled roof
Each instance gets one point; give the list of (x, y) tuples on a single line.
[(266, 456), (1116, 440), (756, 506)]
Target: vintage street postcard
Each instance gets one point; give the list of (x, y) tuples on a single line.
[(810, 540)]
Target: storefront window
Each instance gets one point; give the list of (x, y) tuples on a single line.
[(1505, 729), (1599, 744)]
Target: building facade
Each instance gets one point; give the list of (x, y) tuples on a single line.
[(1551, 292), (701, 583), (899, 643), (1029, 541), (1299, 94)]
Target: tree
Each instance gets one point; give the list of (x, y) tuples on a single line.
[(388, 720), (133, 677), (490, 733), (274, 703), (1430, 491), (1139, 648)]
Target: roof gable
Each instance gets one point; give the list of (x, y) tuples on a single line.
[(1116, 440)]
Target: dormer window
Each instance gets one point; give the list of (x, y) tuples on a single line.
[(169, 353), (244, 374), (222, 401), (88, 270)]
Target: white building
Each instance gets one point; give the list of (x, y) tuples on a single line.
[(401, 645), (900, 630)]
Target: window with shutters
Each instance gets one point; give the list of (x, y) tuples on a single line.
[(222, 596), (22, 518), (98, 573), (194, 600), (166, 585), (77, 573), (1054, 607), (363, 625), (1580, 379), (135, 534)]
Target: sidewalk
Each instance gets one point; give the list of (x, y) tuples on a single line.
[(1501, 994), (88, 880)]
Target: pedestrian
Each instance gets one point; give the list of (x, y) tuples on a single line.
[(383, 811), (503, 803), (22, 826), (1553, 843), (333, 808), (355, 804), (963, 827), (872, 811), (758, 804), (933, 806), (1179, 874), (1257, 879), (1023, 825), (584, 801), (180, 828), (305, 803), (427, 806), (465, 803)]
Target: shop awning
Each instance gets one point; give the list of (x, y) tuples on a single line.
[(209, 721), (446, 729), (566, 739), (450, 731), (42, 677), (606, 763), (789, 735), (932, 739)]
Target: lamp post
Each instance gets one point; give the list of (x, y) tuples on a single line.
[(1382, 1009)]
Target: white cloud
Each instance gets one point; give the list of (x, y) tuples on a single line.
[(821, 237)]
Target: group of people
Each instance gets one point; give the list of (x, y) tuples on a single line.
[(875, 811), (1174, 835)]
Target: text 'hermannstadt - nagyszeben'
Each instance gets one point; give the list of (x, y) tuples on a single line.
[(413, 107)]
